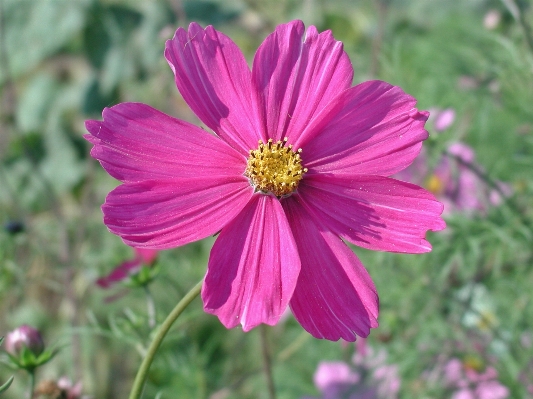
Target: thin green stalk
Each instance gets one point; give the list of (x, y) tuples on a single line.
[(267, 362), (32, 383), (294, 346), (518, 11), (150, 305), (142, 373)]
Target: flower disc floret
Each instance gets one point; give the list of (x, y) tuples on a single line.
[(275, 168)]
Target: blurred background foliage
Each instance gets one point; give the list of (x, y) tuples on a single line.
[(63, 61)]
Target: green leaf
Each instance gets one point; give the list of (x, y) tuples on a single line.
[(7, 384), (208, 11), (35, 102), (35, 30)]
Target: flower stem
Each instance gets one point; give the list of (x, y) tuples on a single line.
[(142, 373), (267, 362), (32, 383), (294, 346), (517, 10), (150, 307)]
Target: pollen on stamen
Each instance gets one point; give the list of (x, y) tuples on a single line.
[(275, 168)]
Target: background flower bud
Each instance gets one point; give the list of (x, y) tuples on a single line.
[(24, 336)]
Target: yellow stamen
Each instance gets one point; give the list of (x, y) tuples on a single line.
[(275, 168), (435, 185), (473, 362)]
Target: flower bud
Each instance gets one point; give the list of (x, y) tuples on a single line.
[(24, 337)]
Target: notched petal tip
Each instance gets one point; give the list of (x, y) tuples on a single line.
[(422, 115), (253, 267), (335, 296), (213, 77), (92, 125), (375, 212)]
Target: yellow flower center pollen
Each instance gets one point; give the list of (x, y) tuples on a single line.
[(275, 168), (435, 185)]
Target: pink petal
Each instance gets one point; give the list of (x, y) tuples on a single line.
[(168, 213), (296, 76), (372, 128), (492, 390), (214, 79), (253, 267), (136, 142), (335, 378), (374, 212), (334, 297), (453, 371), (464, 393), (462, 151), (119, 273), (444, 119), (147, 256)]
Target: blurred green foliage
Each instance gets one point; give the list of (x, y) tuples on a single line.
[(63, 61)]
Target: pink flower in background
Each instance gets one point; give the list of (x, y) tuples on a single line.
[(460, 184), (63, 388), (470, 383), (69, 389), (442, 119), (492, 19), (368, 377), (454, 180), (334, 379), (298, 159), (24, 337), (143, 256)]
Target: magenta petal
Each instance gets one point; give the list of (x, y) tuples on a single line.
[(253, 267), (119, 273), (335, 296), (136, 142), (374, 212), (295, 75), (168, 213), (371, 128), (147, 256), (214, 79)]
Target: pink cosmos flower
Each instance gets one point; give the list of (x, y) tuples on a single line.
[(334, 379), (454, 181), (63, 388), (298, 162), (69, 389), (369, 377), (143, 256), (442, 119), (473, 384), (22, 337)]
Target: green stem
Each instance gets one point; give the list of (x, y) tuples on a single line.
[(150, 307), (32, 383), (140, 378), (267, 362), (518, 11), (294, 346)]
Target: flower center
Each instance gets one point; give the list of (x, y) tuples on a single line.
[(275, 168)]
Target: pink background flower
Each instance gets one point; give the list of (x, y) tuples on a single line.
[(470, 383), (143, 256)]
